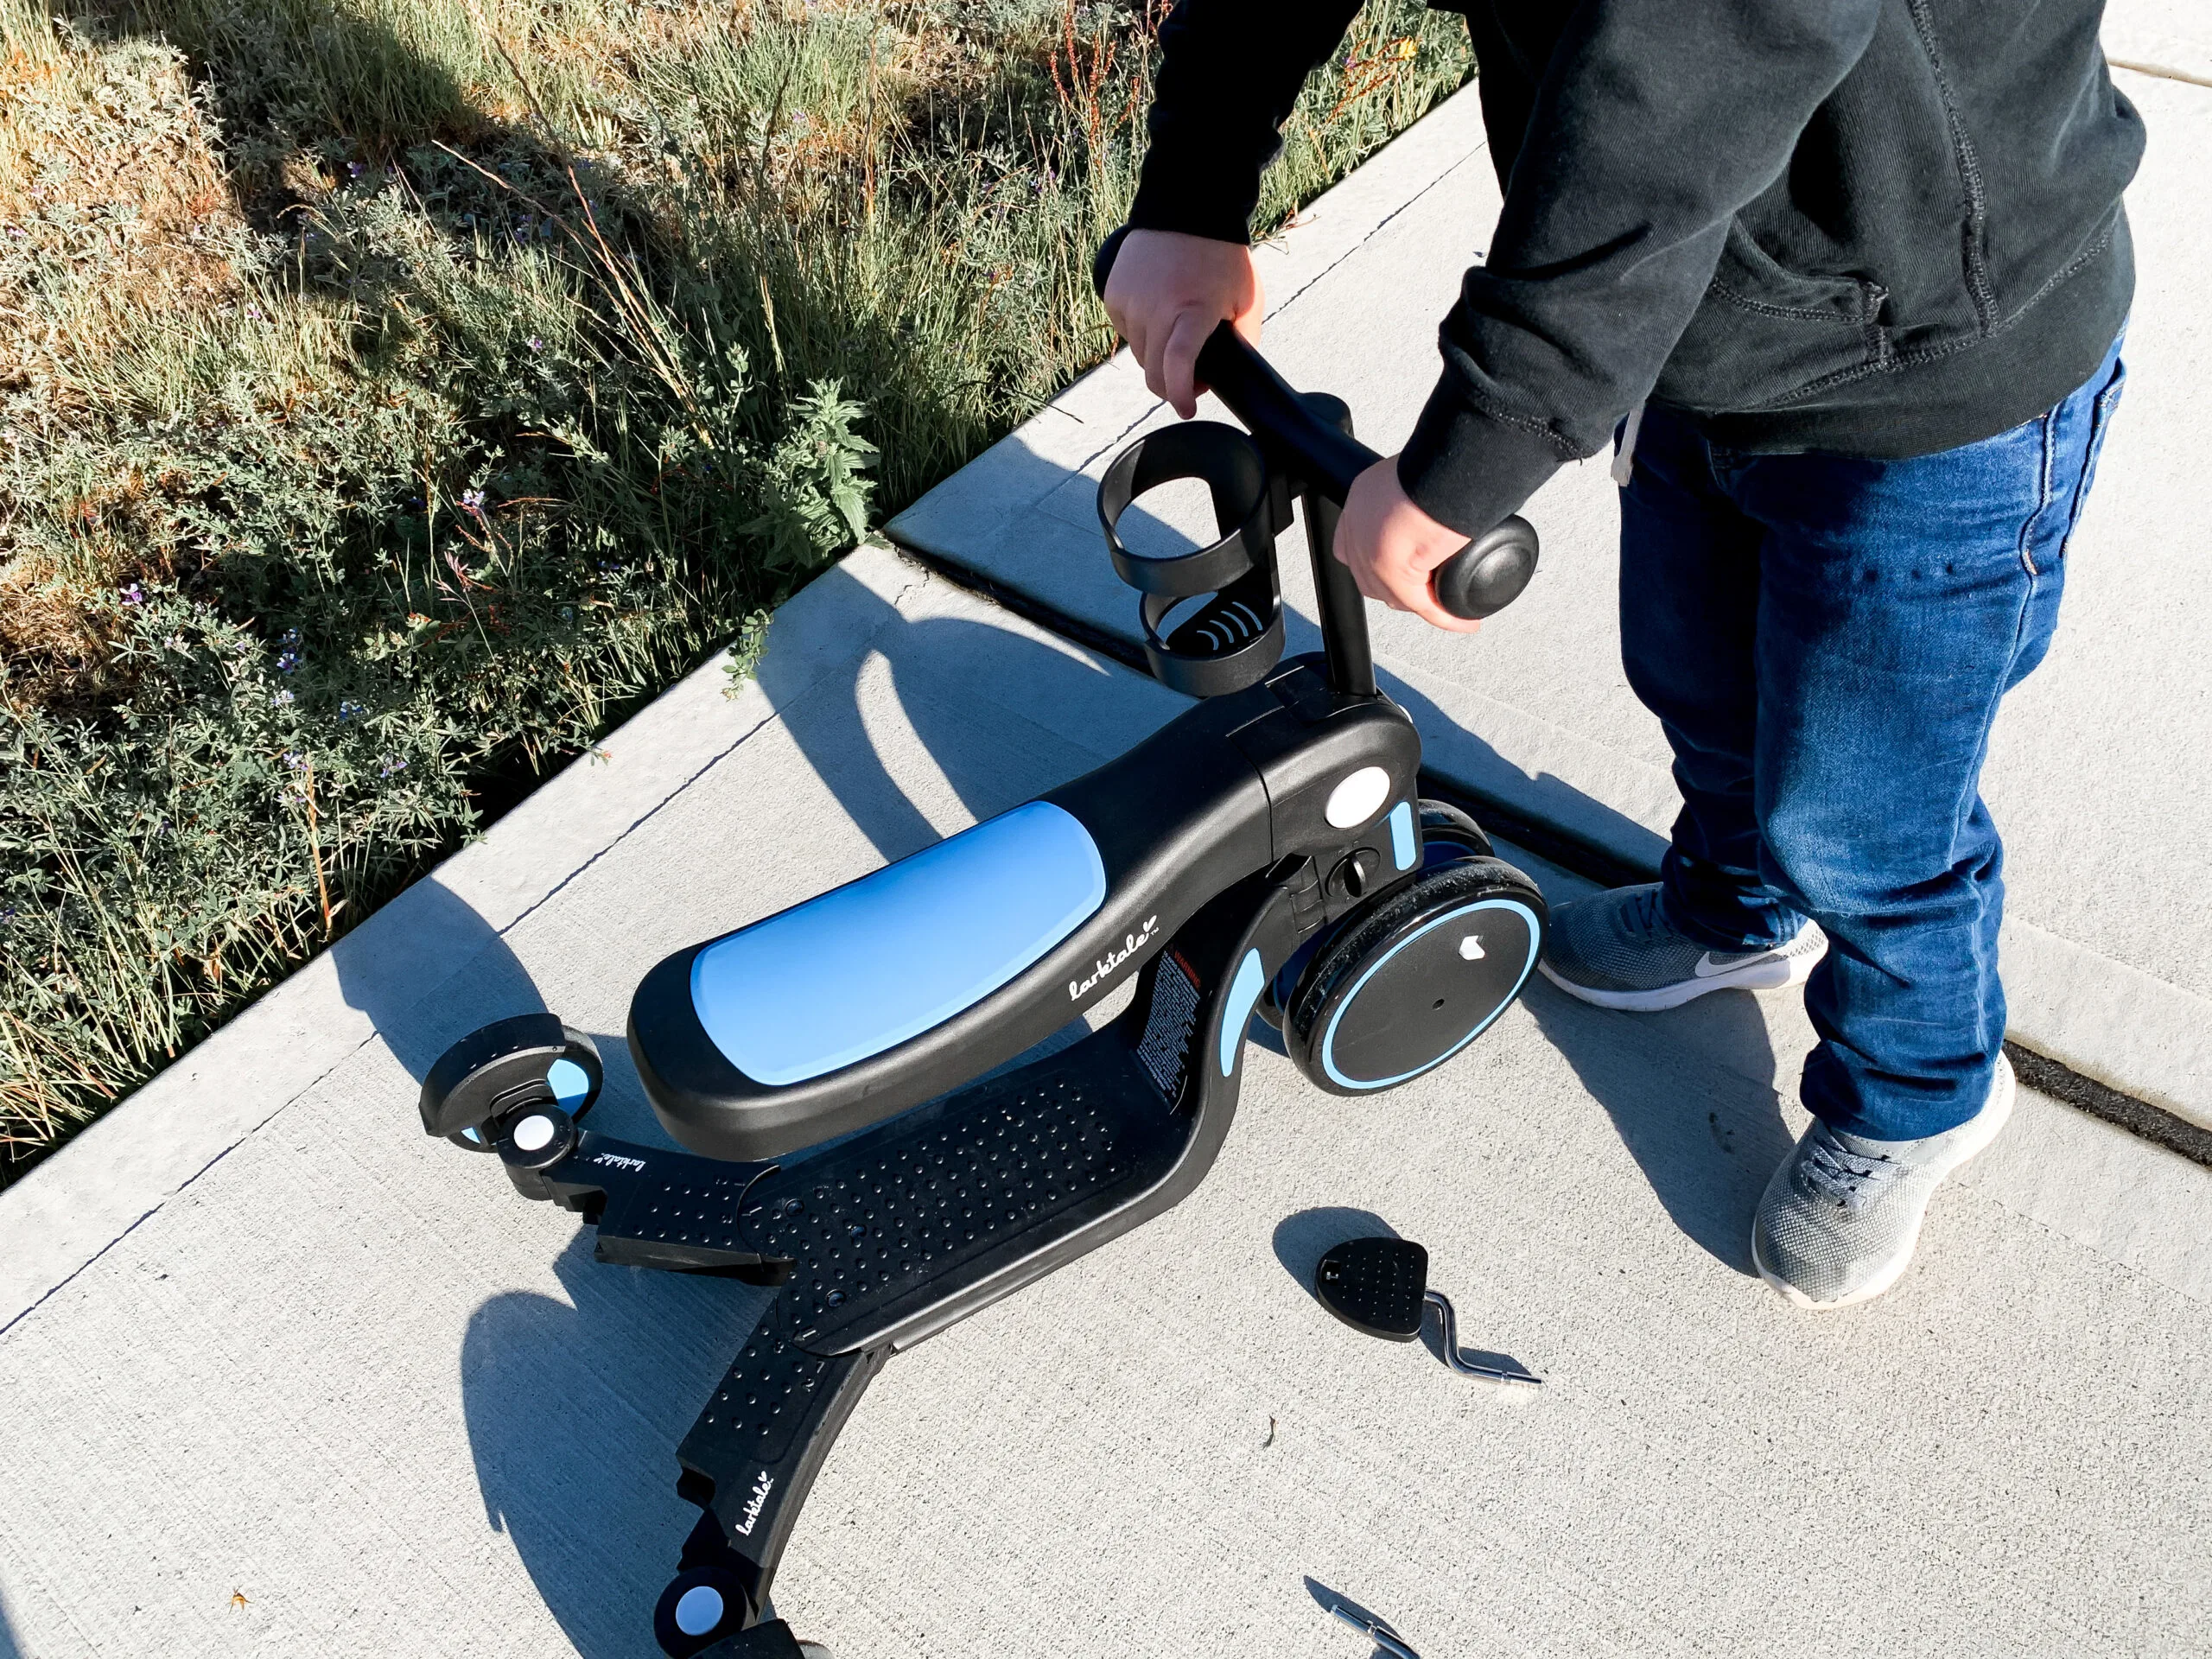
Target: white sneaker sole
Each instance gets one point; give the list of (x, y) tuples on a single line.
[(1776, 971), (1987, 1124)]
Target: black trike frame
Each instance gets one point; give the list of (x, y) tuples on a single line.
[(924, 1197)]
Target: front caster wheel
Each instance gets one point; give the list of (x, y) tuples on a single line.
[(701, 1605), (531, 1060), (1414, 976)]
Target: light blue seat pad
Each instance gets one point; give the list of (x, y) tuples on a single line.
[(884, 958)]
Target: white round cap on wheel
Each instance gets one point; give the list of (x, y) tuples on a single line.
[(535, 1134)]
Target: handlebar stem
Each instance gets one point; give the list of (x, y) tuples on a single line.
[(1340, 608)]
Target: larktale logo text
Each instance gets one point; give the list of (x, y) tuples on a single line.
[(1131, 943), (753, 1506)]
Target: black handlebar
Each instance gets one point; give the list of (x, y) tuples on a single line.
[(1481, 579)]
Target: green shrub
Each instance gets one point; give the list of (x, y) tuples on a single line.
[(412, 387)]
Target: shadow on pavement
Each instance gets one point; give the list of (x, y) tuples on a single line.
[(427, 970), (8, 1648), (933, 665), (630, 1358), (1329, 1600), (574, 1413), (1302, 1239), (1594, 821), (1702, 1127)]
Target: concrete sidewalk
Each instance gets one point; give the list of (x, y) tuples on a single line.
[(2171, 38), (285, 1378), (2095, 774), (260, 1338)]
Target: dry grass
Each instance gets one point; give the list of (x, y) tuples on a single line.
[(110, 181), (393, 393)]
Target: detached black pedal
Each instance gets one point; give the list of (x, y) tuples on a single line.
[(1379, 1287), (1376, 1286)]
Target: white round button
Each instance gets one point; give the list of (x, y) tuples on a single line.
[(1470, 948), (535, 1134), (698, 1610), (1358, 798)]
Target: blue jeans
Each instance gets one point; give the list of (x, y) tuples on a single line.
[(1825, 639)]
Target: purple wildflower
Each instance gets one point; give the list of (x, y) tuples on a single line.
[(134, 594)]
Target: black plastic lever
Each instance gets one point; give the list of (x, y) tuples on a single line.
[(1482, 578), (653, 1208)]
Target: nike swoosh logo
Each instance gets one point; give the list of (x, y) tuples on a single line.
[(1706, 967)]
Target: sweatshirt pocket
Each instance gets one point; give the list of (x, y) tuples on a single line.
[(1764, 334)]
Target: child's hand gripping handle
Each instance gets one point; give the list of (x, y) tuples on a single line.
[(1482, 578)]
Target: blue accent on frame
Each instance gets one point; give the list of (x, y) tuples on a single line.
[(869, 964), (1402, 834), (1329, 1038), (1243, 992), (569, 1082)]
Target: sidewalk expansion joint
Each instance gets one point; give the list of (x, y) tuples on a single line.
[(2060, 1082), (1371, 232), (2162, 72), (1580, 857)]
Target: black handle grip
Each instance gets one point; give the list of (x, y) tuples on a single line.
[(1482, 578)]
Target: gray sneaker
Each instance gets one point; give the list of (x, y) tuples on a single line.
[(1616, 948), (1841, 1215)]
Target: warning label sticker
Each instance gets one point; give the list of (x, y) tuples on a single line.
[(1165, 1052)]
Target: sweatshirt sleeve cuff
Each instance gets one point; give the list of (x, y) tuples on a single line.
[(1212, 201), (1468, 468)]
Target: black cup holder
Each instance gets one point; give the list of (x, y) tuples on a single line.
[(1232, 638)]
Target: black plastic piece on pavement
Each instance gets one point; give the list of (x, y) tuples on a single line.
[(1376, 1286)]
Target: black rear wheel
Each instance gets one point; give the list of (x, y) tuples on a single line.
[(1414, 976)]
